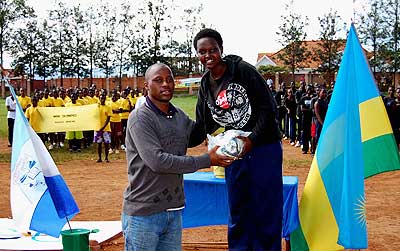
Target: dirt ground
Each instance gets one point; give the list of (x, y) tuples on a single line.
[(98, 188)]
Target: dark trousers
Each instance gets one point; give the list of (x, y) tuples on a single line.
[(255, 197), (10, 130), (306, 132)]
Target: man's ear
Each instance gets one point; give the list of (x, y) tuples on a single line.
[(222, 50)]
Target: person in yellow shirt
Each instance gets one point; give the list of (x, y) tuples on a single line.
[(115, 122), (126, 109), (33, 116), (104, 133), (24, 100), (74, 137), (57, 139), (81, 100), (47, 100)]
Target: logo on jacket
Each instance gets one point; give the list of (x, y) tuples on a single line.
[(222, 100), (232, 107)]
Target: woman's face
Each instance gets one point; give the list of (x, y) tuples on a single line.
[(209, 52)]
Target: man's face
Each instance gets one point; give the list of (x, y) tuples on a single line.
[(22, 92), (161, 84), (209, 52)]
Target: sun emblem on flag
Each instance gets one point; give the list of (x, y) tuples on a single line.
[(361, 211)]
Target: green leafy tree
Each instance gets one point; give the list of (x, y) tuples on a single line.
[(192, 23), (24, 48), (60, 51), (105, 40), (372, 33), (44, 67), (123, 38), (392, 44), (10, 12), (330, 46), (292, 36)]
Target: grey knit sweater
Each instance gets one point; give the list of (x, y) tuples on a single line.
[(156, 145)]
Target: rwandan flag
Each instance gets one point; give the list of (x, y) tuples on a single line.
[(356, 142), (40, 198)]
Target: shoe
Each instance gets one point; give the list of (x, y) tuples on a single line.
[(78, 150), (99, 161), (9, 145), (110, 151), (61, 144), (285, 138), (304, 152), (297, 144), (107, 161), (292, 143), (123, 148), (70, 150), (116, 151), (51, 147)]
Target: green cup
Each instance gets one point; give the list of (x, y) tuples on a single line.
[(75, 239)]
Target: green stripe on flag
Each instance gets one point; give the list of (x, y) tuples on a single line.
[(298, 241), (378, 161)]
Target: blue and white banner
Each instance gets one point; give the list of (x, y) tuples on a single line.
[(40, 198)]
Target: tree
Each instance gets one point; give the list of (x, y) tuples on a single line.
[(157, 12), (329, 50), (392, 44), (78, 45), (24, 48), (93, 23), (61, 53), (372, 33), (105, 41), (44, 67), (10, 12), (123, 24), (192, 24), (292, 36)]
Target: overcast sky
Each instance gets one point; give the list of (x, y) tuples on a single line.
[(249, 26)]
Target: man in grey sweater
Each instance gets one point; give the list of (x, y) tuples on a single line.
[(156, 142)]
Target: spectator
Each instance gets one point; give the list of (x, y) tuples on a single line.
[(10, 105), (320, 109), (103, 135), (24, 100)]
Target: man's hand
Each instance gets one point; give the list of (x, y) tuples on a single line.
[(247, 145), (219, 160)]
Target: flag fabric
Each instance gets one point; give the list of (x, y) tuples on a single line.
[(40, 198), (356, 142)]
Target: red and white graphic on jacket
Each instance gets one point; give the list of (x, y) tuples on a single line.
[(222, 100), (232, 107)]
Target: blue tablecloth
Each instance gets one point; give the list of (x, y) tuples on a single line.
[(207, 204)]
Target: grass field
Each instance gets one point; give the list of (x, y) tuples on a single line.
[(3, 119), (186, 103)]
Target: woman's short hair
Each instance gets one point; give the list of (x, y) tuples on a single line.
[(207, 33)]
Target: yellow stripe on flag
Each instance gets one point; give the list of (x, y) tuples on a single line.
[(316, 216), (374, 121), (74, 118)]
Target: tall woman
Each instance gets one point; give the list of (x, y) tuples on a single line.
[(234, 95)]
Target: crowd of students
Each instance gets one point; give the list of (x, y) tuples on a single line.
[(114, 112), (302, 111)]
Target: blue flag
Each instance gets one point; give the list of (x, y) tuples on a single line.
[(332, 208), (40, 198)]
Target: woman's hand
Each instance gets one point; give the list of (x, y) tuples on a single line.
[(247, 146)]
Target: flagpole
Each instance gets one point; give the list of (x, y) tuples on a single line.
[(70, 229)]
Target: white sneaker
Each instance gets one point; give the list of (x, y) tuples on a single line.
[(123, 147), (51, 147), (292, 144), (116, 151), (297, 144), (61, 144), (110, 151)]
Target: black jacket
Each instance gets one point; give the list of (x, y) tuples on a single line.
[(244, 102)]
